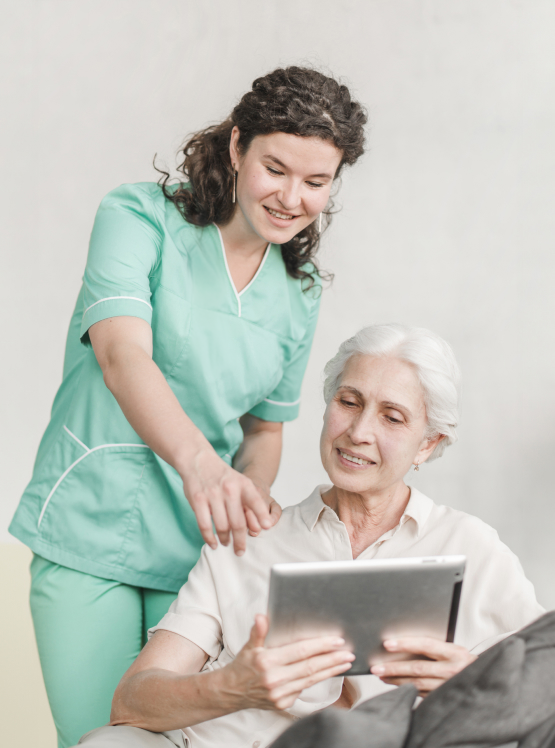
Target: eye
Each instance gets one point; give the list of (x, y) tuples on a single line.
[(275, 172), (349, 403), (393, 420), (316, 185)]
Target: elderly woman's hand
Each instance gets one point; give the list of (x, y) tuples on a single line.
[(272, 678), (445, 660)]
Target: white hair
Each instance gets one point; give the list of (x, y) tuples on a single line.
[(435, 366)]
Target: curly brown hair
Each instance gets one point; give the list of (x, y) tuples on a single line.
[(294, 100)]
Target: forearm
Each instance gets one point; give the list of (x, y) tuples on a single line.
[(159, 700), (218, 495), (151, 407), (260, 452)]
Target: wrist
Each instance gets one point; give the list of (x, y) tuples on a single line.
[(229, 690), (191, 457), (259, 480)]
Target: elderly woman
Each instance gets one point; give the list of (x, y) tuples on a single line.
[(204, 681)]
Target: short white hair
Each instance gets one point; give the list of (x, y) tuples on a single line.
[(433, 360)]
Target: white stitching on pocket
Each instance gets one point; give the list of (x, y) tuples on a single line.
[(73, 464)]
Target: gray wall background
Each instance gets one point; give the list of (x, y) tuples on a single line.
[(448, 221)]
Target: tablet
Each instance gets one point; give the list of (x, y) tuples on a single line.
[(365, 602)]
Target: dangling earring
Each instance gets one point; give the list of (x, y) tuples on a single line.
[(320, 223), (416, 468), (234, 186)]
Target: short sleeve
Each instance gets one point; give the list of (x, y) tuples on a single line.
[(123, 251), (284, 402), (195, 613)]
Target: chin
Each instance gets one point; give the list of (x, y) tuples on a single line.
[(352, 483), (275, 234)]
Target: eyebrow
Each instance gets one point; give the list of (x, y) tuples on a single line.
[(397, 406), (284, 166), (387, 403), (351, 389)]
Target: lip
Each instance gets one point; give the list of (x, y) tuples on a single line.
[(281, 222), (353, 465)]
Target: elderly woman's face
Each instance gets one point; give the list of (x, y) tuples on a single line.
[(374, 425)]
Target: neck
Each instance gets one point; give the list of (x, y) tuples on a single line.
[(367, 516), (239, 237)]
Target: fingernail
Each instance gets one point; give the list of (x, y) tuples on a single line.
[(377, 669), (266, 524), (349, 656), (239, 553), (338, 642), (391, 644)]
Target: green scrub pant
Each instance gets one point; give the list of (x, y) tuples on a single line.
[(89, 631)]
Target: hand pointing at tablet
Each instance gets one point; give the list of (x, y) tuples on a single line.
[(445, 660)]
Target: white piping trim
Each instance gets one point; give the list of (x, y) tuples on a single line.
[(228, 273), (277, 402), (77, 440), (239, 293), (73, 464), (249, 284), (112, 298)]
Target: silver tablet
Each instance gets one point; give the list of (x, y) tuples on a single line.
[(365, 602)]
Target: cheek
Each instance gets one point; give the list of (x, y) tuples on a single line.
[(257, 187), (331, 430), (334, 425), (398, 447), (316, 200)]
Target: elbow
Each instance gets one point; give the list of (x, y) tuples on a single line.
[(109, 376), (112, 365), (122, 712), (119, 714), (126, 707)]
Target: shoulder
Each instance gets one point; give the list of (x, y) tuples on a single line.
[(302, 301), (295, 523), (283, 536), (464, 529), (142, 199), (308, 289), (222, 570), (143, 206), (278, 545)]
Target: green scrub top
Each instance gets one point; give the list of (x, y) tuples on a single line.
[(100, 501)]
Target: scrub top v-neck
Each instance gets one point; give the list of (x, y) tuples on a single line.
[(100, 501)]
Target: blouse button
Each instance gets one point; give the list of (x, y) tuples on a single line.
[(256, 744)]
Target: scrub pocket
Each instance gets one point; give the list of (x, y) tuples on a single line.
[(88, 508)]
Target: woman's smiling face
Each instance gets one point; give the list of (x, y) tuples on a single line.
[(283, 182), (374, 426)]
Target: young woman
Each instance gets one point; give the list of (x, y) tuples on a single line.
[(185, 354)]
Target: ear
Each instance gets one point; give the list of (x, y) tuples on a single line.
[(233, 147), (427, 447)]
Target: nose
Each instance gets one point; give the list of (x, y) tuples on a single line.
[(289, 195), (363, 429)]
